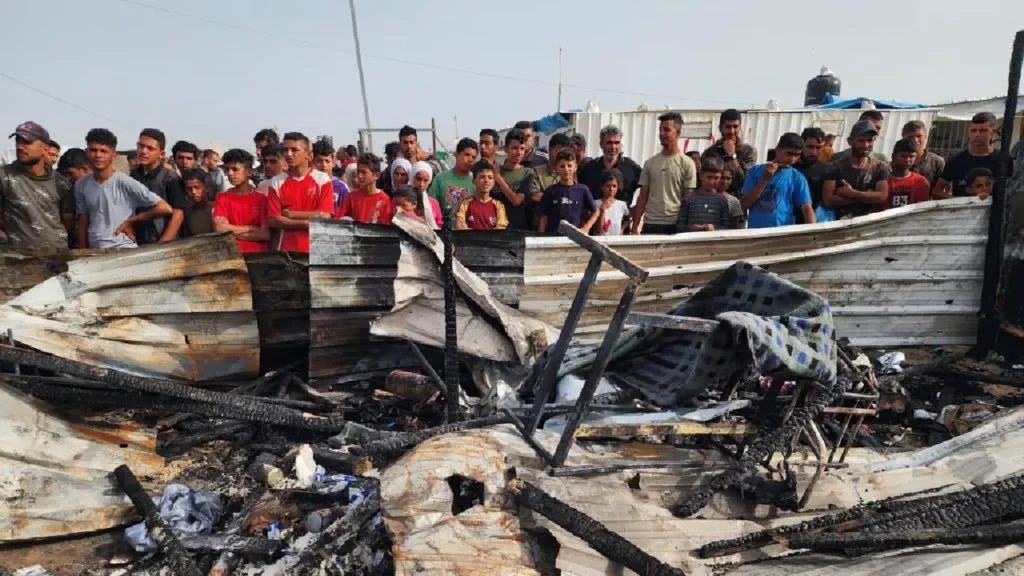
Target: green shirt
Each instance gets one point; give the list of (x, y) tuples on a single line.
[(449, 189)]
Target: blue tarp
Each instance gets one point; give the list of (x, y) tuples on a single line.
[(550, 123), (832, 104)]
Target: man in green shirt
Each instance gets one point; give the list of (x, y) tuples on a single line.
[(515, 185), (451, 187)]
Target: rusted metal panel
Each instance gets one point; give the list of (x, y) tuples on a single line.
[(19, 272), (181, 310), (53, 473), (910, 276)]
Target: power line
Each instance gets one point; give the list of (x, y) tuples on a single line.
[(427, 64), (63, 101)]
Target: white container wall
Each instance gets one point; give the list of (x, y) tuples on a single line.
[(761, 128)]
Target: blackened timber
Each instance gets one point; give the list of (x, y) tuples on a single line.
[(177, 557), (451, 328), (338, 534), (596, 535), (183, 444), (232, 543), (701, 325), (996, 535), (403, 440)]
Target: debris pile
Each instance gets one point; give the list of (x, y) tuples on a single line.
[(726, 436)]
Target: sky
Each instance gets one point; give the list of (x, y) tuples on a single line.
[(216, 71)]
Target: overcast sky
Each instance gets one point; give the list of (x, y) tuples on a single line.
[(215, 71)]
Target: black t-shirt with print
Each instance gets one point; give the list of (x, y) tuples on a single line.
[(961, 163)]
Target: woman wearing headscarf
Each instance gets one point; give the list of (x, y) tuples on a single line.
[(349, 177), (401, 172), (420, 176)]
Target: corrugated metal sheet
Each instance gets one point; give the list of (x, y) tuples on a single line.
[(761, 128), (19, 272), (352, 269), (181, 310), (910, 276), (54, 474)]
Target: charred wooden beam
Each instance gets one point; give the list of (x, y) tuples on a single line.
[(997, 535), (232, 543), (245, 409), (338, 534), (451, 328), (182, 444), (226, 561), (405, 440), (177, 556), (596, 535)]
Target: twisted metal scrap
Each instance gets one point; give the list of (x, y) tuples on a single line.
[(767, 443), (404, 440)]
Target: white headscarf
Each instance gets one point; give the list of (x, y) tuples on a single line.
[(349, 177), (428, 209), (400, 163)]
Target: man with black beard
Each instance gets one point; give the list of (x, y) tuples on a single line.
[(857, 184), (810, 166), (35, 201)]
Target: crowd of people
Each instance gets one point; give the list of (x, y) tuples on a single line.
[(78, 199)]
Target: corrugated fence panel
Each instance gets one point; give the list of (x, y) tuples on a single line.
[(902, 277)]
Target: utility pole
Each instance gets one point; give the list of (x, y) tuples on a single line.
[(362, 79), (559, 109)]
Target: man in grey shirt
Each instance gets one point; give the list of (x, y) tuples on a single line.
[(106, 201), (928, 164), (876, 118)]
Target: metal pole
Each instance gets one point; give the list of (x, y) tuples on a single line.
[(433, 135), (362, 79), (559, 108), (989, 323)]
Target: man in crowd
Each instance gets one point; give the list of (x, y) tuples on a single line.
[(979, 154), (453, 186), (110, 204), (272, 164), (579, 148), (323, 160), (547, 174), (262, 139), (515, 185), (411, 150), (489, 146), (927, 164), (298, 195), (905, 185), (731, 149), (185, 156), (391, 151), (534, 157), (828, 150), (695, 156), (774, 192), (666, 177), (73, 164), (35, 201), (52, 153), (876, 119), (164, 183), (810, 166), (611, 158), (241, 210), (214, 174), (857, 183)]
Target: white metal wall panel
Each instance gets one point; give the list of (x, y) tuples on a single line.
[(761, 128)]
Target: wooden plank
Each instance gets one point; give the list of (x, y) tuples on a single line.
[(598, 430)]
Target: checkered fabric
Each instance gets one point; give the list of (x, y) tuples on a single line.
[(765, 320)]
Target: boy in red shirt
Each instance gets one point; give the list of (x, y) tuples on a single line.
[(905, 186), (242, 210), (298, 195), (481, 212), (366, 204)]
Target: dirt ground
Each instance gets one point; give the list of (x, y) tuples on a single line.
[(66, 557)]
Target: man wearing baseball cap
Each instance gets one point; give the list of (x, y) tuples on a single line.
[(857, 184), (36, 204)]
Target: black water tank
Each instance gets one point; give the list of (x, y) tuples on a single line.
[(824, 83)]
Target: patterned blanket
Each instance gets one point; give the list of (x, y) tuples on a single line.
[(764, 320)]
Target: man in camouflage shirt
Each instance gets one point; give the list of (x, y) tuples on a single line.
[(34, 200)]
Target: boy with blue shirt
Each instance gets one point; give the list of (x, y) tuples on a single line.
[(774, 192)]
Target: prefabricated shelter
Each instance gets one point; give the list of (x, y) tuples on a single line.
[(949, 133)]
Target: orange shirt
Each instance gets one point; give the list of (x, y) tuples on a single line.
[(366, 208), (311, 193)]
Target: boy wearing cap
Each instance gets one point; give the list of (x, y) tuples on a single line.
[(36, 203), (857, 184), (905, 185)]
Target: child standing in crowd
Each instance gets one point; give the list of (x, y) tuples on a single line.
[(199, 209), (298, 195), (271, 164), (905, 186), (421, 175), (452, 187), (367, 204), (705, 210), (614, 213), (323, 160), (242, 210), (695, 156), (566, 200), (737, 215), (481, 212), (407, 201), (979, 182)]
